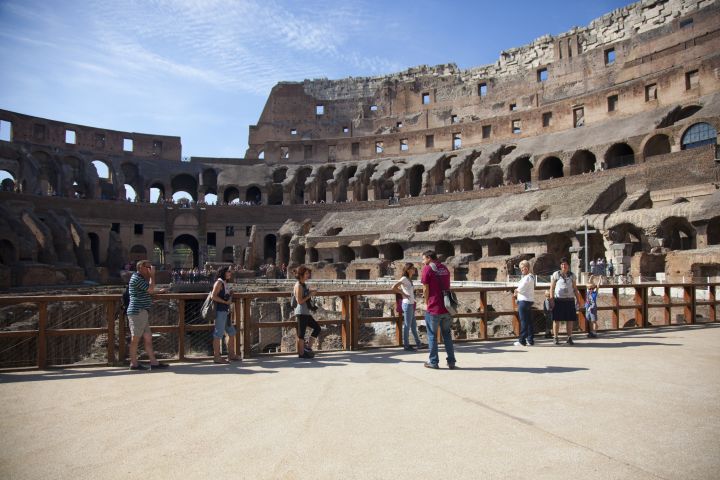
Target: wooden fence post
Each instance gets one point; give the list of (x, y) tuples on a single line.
[(181, 330), (689, 299), (247, 327), (667, 310), (345, 328), (616, 310), (485, 316), (110, 319), (639, 306), (42, 337), (713, 306)]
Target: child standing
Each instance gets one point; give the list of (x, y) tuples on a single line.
[(547, 309), (591, 310)]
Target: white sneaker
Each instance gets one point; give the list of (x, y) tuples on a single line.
[(518, 344)]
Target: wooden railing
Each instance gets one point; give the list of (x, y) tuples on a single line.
[(636, 298)]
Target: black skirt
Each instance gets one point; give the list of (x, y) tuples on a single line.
[(564, 310)]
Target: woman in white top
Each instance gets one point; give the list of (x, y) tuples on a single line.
[(525, 295), (406, 289), (563, 288)]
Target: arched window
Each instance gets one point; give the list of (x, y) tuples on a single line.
[(551, 167), (698, 135)]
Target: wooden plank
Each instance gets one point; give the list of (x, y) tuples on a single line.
[(345, 328), (485, 317), (689, 298), (639, 300), (713, 303), (354, 322), (65, 332), (247, 327), (110, 308), (616, 310), (42, 338), (667, 302), (515, 316), (181, 330), (18, 334)]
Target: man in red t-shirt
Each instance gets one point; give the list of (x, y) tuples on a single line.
[(435, 278)]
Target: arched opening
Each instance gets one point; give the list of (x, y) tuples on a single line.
[(8, 253), (209, 179), (619, 155), (300, 179), (94, 247), (713, 231), (678, 234), (137, 253), (131, 174), (313, 255), (326, 175), (497, 247), (185, 252), (582, 161), (130, 194), (444, 249), (387, 186), (182, 197), (184, 183), (275, 195), (545, 264), (102, 169), (698, 135), (520, 170), (279, 174), (550, 167), (558, 245), (415, 180), (48, 174), (657, 145), (7, 181), (253, 195), (299, 254), (285, 249), (231, 196), (270, 248), (157, 193), (628, 233), (210, 198), (472, 247), (490, 176), (346, 254), (228, 255), (368, 251), (393, 251)]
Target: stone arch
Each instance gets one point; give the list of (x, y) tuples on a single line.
[(393, 251), (550, 167), (343, 181), (230, 195), (137, 252), (284, 253), (678, 234), (713, 231), (414, 180), (8, 252), (7, 181), (346, 254), (94, 241), (582, 161), (520, 170), (253, 195), (369, 251), (313, 255), (48, 174), (228, 255), (387, 186), (619, 155), (697, 135), (445, 248), (270, 247), (209, 179), (628, 233), (498, 246), (157, 188), (472, 247), (326, 174), (657, 145), (185, 251), (279, 174), (103, 169), (490, 176), (275, 194), (184, 182), (131, 174), (301, 177)]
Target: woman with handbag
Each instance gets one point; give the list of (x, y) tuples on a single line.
[(303, 309), (221, 295)]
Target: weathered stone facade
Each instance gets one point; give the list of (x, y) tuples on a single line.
[(615, 123)]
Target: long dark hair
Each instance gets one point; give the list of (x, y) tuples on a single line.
[(300, 272), (222, 271), (406, 270)]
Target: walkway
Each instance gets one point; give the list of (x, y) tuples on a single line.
[(639, 404)]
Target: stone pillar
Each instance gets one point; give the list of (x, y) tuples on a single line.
[(620, 254), (576, 259)]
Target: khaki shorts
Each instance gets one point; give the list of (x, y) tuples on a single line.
[(139, 324)]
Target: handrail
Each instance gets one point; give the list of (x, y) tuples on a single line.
[(687, 296)]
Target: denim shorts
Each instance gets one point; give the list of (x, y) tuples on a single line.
[(222, 325)]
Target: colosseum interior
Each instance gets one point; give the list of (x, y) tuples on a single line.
[(614, 123)]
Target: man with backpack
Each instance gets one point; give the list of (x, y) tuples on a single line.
[(435, 278), (140, 288)]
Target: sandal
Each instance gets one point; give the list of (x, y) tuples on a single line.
[(220, 360), (236, 358)]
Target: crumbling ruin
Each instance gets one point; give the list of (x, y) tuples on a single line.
[(615, 123)]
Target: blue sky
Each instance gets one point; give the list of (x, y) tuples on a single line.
[(202, 69)]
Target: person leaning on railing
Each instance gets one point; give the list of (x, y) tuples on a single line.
[(141, 287), (221, 296)]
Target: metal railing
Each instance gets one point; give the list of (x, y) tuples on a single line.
[(88, 330)]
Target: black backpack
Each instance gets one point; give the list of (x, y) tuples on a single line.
[(126, 298)]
